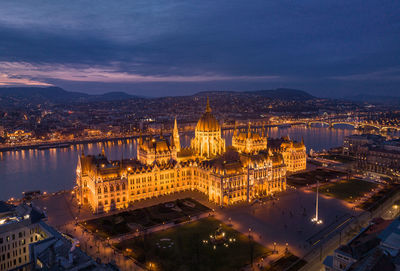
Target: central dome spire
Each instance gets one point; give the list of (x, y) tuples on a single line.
[(208, 122), (208, 108)]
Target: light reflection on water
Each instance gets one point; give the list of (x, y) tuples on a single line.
[(54, 169)]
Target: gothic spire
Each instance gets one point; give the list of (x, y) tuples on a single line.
[(175, 125), (262, 130), (235, 129), (208, 108), (140, 138)]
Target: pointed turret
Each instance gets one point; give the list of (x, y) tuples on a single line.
[(140, 138), (175, 125), (249, 130), (175, 134), (208, 108), (235, 132), (262, 130), (302, 140)]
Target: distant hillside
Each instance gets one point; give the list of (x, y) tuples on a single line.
[(278, 94), (25, 96), (375, 99), (22, 96)]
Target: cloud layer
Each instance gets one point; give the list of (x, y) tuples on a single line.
[(185, 46)]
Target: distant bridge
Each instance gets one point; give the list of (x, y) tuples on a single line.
[(355, 124)]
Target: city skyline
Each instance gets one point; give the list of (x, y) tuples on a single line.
[(159, 49), (200, 135)]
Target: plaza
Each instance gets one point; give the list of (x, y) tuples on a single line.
[(277, 223), (205, 244)]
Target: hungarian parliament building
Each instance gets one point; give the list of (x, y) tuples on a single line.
[(253, 167)]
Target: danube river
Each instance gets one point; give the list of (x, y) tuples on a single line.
[(54, 169)]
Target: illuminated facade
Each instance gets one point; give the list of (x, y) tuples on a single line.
[(295, 156), (249, 142), (163, 167), (19, 135), (208, 142), (294, 153), (19, 228)]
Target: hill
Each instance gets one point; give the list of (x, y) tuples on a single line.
[(23, 96), (28, 96), (276, 94)]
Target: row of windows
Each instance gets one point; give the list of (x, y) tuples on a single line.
[(13, 263), (117, 188), (7, 239), (14, 254)]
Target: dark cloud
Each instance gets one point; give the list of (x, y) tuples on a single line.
[(320, 46)]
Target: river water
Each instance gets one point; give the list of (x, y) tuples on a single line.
[(54, 169)]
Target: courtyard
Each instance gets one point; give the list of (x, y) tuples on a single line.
[(283, 219), (177, 211), (205, 244)]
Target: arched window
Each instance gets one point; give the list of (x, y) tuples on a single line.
[(99, 190), (105, 189), (123, 186), (111, 188), (117, 187)]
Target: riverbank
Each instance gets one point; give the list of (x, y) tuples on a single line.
[(66, 143), (63, 143)]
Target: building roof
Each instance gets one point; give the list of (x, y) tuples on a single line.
[(391, 237), (5, 207), (207, 122), (364, 242), (59, 253), (228, 163)]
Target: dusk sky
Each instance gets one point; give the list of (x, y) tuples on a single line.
[(158, 48)]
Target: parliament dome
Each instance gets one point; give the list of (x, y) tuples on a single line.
[(207, 122)]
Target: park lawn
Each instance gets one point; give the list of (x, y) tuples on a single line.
[(348, 190), (311, 177), (189, 252), (144, 218)]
